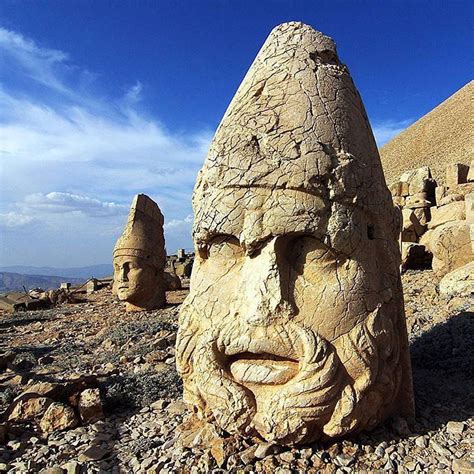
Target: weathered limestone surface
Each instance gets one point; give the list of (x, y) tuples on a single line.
[(454, 211), (459, 282), (294, 326), (451, 245), (140, 257)]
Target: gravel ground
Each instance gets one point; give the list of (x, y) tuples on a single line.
[(130, 358)]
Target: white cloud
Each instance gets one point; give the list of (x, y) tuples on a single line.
[(386, 130), (14, 220), (66, 202), (35, 62), (64, 149)]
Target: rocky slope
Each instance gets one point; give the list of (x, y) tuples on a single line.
[(442, 136), (129, 358)]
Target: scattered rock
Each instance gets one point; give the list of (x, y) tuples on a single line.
[(90, 406), (58, 417)]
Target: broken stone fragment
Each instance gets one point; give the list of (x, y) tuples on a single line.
[(470, 174), (440, 192), (454, 211), (459, 282), (29, 408), (451, 246), (58, 417), (419, 200), (450, 198), (419, 181), (456, 173), (90, 406)]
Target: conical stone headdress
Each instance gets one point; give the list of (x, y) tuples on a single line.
[(143, 233), (297, 123)]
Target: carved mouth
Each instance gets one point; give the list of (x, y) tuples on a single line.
[(262, 368)]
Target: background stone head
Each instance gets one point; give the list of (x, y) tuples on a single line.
[(294, 326), (140, 257)]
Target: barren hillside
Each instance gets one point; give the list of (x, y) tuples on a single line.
[(442, 136)]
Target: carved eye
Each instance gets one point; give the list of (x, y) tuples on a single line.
[(307, 250), (224, 247)]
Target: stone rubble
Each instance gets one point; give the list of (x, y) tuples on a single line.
[(142, 431)]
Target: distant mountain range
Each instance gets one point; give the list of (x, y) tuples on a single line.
[(96, 271), (15, 281)]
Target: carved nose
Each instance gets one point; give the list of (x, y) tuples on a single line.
[(124, 273), (264, 299)]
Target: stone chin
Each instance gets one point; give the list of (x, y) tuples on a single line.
[(284, 381)]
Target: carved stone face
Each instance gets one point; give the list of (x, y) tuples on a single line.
[(135, 280), (289, 329), (294, 326)]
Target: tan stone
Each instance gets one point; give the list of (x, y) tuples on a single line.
[(419, 200), (450, 198), (469, 209), (411, 224), (470, 174), (419, 181), (172, 281), (456, 173), (140, 257), (440, 192), (451, 245), (90, 406), (58, 417), (398, 200), (404, 189), (29, 408), (459, 282), (294, 325), (423, 214), (463, 189), (455, 211)]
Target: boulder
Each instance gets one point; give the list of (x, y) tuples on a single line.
[(28, 408), (455, 211), (58, 417), (398, 200), (456, 173), (465, 188), (470, 174), (90, 406), (423, 214), (449, 199), (411, 224), (459, 282), (440, 192), (419, 180), (172, 281), (419, 200), (450, 245)]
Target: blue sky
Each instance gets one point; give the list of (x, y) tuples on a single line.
[(100, 100)]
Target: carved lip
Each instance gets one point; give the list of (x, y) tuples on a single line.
[(262, 368)]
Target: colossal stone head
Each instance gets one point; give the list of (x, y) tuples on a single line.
[(294, 326), (140, 257)]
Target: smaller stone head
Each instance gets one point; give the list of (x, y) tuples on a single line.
[(139, 257)]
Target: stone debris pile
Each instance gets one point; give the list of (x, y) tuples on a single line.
[(147, 428), (438, 221)]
